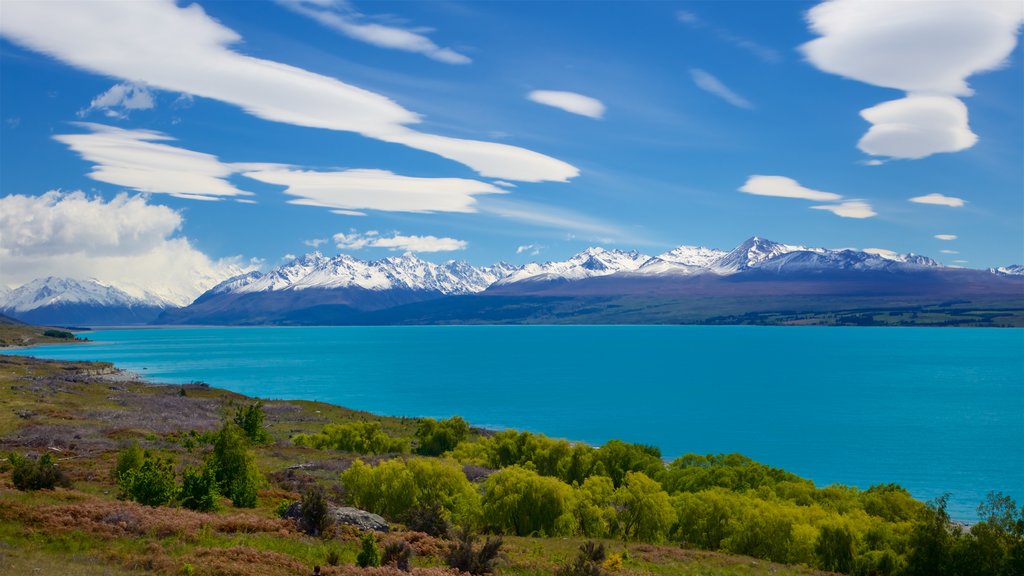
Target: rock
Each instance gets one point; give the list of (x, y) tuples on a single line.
[(345, 515)]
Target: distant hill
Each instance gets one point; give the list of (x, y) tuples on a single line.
[(71, 302)]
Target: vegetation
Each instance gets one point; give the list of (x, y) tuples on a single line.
[(249, 420), (358, 437), (177, 463), (369, 554), (435, 438)]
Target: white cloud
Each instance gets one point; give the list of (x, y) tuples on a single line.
[(559, 219), (396, 241), (504, 184), (315, 242), (694, 21), (121, 98), (928, 49), (849, 209), (339, 16), (570, 102), (126, 242), (349, 190), (709, 83), (939, 200), (883, 252), (917, 126), (946, 236), (873, 162), (784, 187), (949, 251), (181, 49), (136, 159), (531, 249)]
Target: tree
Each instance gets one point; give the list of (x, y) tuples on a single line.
[(931, 541), (315, 517), (521, 502), (152, 483), (436, 438), (396, 488), (358, 437), (647, 512), (250, 420), (835, 549), (234, 467), (617, 458), (369, 553), (199, 489)]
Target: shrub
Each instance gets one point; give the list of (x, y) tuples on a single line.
[(588, 562), (369, 553), (835, 548), (427, 519), (398, 554), (647, 512), (152, 483), (199, 489), (395, 487), (333, 556), (358, 437), (436, 438), (234, 466), (250, 420), (129, 459), (41, 474), (315, 516), (521, 502), (62, 334), (465, 557)]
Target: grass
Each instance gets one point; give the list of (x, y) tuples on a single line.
[(75, 411)]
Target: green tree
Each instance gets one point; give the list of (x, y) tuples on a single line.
[(521, 502), (249, 420), (369, 552), (618, 458), (358, 437), (435, 438), (199, 489), (646, 509), (931, 541), (396, 488), (836, 547), (234, 466), (595, 512), (152, 483)]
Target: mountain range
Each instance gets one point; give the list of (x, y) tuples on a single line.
[(686, 284)]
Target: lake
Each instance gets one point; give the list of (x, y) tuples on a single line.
[(935, 410)]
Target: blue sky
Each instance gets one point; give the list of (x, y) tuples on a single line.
[(260, 129)]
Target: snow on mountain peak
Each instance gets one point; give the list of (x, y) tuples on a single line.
[(53, 290)]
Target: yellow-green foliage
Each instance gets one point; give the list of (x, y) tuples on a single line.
[(646, 510), (521, 502), (436, 438), (396, 487), (358, 437)]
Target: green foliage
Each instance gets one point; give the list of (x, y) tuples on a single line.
[(595, 513), (588, 562), (616, 459), (694, 473), (358, 437), (199, 489), (36, 474), (315, 511), (369, 552), (129, 459), (249, 419), (464, 556), (836, 547), (234, 467), (62, 334), (647, 512), (435, 438), (521, 502), (333, 556), (394, 488), (152, 483), (891, 502)]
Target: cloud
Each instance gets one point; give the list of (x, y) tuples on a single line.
[(181, 49), (917, 126), (531, 249), (949, 251), (125, 241), (883, 252), (849, 209), (570, 102), (709, 83), (504, 184), (396, 241), (136, 159), (120, 99), (559, 219), (315, 242), (766, 54), (784, 187), (946, 236), (939, 200), (873, 162), (927, 49), (349, 190), (339, 16)]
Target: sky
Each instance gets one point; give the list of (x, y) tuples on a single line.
[(164, 146)]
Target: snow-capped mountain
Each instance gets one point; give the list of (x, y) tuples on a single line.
[(1012, 270), (752, 253), (683, 260), (55, 300), (590, 263)]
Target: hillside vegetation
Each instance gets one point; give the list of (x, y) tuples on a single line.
[(107, 475)]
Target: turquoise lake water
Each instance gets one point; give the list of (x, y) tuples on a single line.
[(935, 410)]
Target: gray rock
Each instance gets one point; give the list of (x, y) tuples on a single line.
[(345, 515)]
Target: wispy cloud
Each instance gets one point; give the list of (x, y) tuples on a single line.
[(849, 209), (949, 251), (946, 236), (709, 83), (120, 99), (571, 102), (158, 42), (342, 17), (560, 219), (939, 200), (783, 187), (927, 49), (355, 240), (694, 21), (531, 249), (315, 242)]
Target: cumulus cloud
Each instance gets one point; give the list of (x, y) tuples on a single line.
[(849, 209), (946, 236), (125, 241), (181, 49), (939, 200), (355, 240), (709, 83), (120, 99), (138, 159), (926, 48), (341, 17), (784, 187), (570, 102), (531, 249), (352, 190)]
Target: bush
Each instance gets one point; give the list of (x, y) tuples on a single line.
[(333, 556), (152, 483), (588, 562), (835, 548), (427, 519), (129, 459), (41, 474), (235, 468), (395, 487), (397, 554), (199, 489), (250, 420), (315, 516), (358, 437), (521, 502), (436, 438), (369, 553), (647, 512), (465, 557), (62, 334)]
